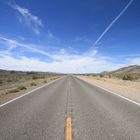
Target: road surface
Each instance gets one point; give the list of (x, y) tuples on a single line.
[(95, 113)]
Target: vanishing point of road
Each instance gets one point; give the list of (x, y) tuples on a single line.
[(91, 113)]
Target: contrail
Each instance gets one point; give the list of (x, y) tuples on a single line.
[(113, 22), (24, 46)]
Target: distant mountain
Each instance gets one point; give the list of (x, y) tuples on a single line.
[(134, 69), (2, 71)]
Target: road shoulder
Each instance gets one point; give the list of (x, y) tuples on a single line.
[(122, 88), (5, 99)]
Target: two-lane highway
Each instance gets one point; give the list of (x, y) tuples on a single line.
[(96, 114)]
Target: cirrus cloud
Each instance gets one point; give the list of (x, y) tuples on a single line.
[(62, 61), (32, 21)]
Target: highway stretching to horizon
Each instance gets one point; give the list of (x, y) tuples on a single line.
[(95, 114)]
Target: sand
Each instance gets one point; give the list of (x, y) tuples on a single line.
[(129, 89)]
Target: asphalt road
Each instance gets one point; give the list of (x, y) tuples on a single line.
[(96, 114)]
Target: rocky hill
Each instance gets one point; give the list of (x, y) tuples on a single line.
[(134, 69)]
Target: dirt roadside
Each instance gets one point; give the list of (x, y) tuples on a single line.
[(129, 89), (30, 85)]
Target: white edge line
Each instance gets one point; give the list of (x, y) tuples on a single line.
[(28, 92), (113, 92)]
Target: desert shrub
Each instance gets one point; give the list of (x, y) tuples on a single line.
[(9, 80), (101, 75), (137, 76), (21, 88), (127, 77), (30, 73), (34, 77), (12, 72), (33, 84), (54, 78), (45, 81), (13, 90), (1, 82), (42, 77), (6, 92)]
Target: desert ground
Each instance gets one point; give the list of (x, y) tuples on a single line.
[(14, 83), (126, 88)]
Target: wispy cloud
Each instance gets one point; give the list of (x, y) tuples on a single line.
[(112, 23), (61, 61), (12, 42), (26, 17), (50, 35), (82, 39), (69, 64)]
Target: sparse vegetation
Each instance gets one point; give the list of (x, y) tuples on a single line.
[(13, 90), (21, 88), (129, 77), (15, 81), (16, 89), (131, 73), (8, 77), (34, 77), (33, 84), (101, 75), (45, 81), (9, 80), (1, 82), (123, 76)]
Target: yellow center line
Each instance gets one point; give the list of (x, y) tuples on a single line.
[(68, 129)]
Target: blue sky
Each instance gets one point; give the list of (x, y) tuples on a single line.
[(70, 36)]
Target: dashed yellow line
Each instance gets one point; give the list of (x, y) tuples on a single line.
[(68, 129)]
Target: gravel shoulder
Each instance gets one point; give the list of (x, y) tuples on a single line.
[(129, 89)]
